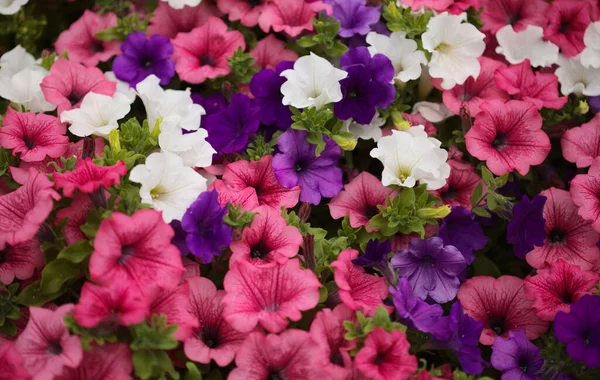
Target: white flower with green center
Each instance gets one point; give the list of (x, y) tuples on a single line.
[(10, 7), (98, 114)]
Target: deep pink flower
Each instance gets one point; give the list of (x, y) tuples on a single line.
[(416, 119), (81, 43), (268, 296), (581, 145), (585, 191), (69, 82), (290, 16), (521, 83), (109, 361), (214, 338), (502, 306), (136, 249), (174, 304), (358, 290), (202, 53), (436, 5), (567, 22), (12, 363), (460, 6), (460, 185), (270, 51), (292, 355), (244, 11), (518, 13), (268, 240), (359, 200), (25, 209), (508, 136), (87, 177), (76, 215), (20, 261), (385, 356), (34, 136), (568, 236), (169, 21), (555, 287), (476, 91), (247, 197), (45, 344)]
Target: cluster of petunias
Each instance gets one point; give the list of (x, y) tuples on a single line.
[(300, 189)]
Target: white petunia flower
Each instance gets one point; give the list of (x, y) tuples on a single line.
[(10, 7), (365, 131), (576, 79), (590, 56), (432, 112), (410, 156), (402, 51), (23, 88), (167, 184), (313, 82), (98, 114), (16, 60), (179, 4), (527, 44), (122, 87), (193, 148), (455, 47)]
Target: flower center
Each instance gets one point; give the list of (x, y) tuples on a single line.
[(443, 47), (497, 325), (557, 236), (97, 47), (564, 27), (54, 348), (253, 3), (126, 252), (29, 143), (259, 251), (450, 194), (74, 98), (207, 60), (275, 374), (370, 211), (336, 358), (513, 18), (299, 166), (210, 336), (156, 192), (4, 254), (523, 365), (566, 298), (500, 141), (465, 97), (146, 62)]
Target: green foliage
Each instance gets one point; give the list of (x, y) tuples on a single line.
[(495, 202), (324, 41), (399, 19), (6, 160), (9, 310), (66, 164), (92, 222), (294, 220), (193, 373), (259, 148), (355, 236), (237, 217), (100, 335), (242, 66), (319, 123), (129, 24), (131, 143), (327, 251), (49, 59), (364, 325), (149, 345), (32, 295), (115, 6), (76, 252), (56, 273), (129, 199), (460, 375), (27, 26)]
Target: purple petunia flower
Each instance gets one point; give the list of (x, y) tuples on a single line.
[(230, 128), (212, 103), (465, 340), (143, 57), (526, 228), (297, 164), (265, 85), (376, 254), (431, 268), (516, 357), (179, 239), (354, 16), (207, 233), (579, 330), (594, 102), (461, 230), (367, 86)]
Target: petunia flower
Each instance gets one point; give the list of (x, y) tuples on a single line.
[(461, 230), (297, 165), (268, 296), (203, 53), (516, 357), (144, 56), (591, 39), (584, 189), (270, 51), (179, 4), (594, 102), (81, 43), (501, 305), (526, 44), (12, 7), (123, 88), (526, 228), (431, 111), (290, 16), (460, 185), (212, 103), (69, 82), (385, 356), (168, 21), (568, 236), (246, 12), (567, 21), (415, 119), (87, 177), (20, 80), (112, 360), (265, 87), (46, 345), (576, 79), (555, 287), (97, 115), (33, 136), (214, 338), (291, 355), (581, 145), (135, 249), (174, 304), (20, 261), (167, 185), (508, 136), (355, 16), (191, 147), (518, 13), (402, 51), (422, 5), (12, 360), (246, 197)]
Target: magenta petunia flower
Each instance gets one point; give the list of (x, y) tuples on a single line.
[(518, 13), (12, 362), (245, 197), (75, 214), (568, 236), (567, 22), (168, 21), (290, 16), (87, 177), (136, 249), (508, 136), (585, 189), (581, 145), (244, 11), (270, 51), (69, 82), (108, 361), (45, 344), (20, 261), (358, 290), (33, 136), (214, 338), (292, 355), (502, 306), (173, 303), (81, 43), (202, 53), (268, 296), (460, 185), (415, 119)]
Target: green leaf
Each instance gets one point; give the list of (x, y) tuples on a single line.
[(5, 160), (483, 266), (143, 363), (476, 195), (56, 273), (492, 203), (482, 212), (8, 328), (33, 296), (76, 252), (488, 178), (193, 373), (236, 217), (316, 139), (381, 317)]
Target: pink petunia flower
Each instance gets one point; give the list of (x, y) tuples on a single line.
[(69, 82), (75, 214), (290, 16), (416, 119), (268, 296), (437, 5), (567, 22), (460, 185), (247, 197), (23, 211), (87, 177), (359, 200), (568, 236), (116, 305), (174, 304), (244, 11), (169, 21), (268, 241), (45, 344), (214, 338), (358, 290), (34, 136), (292, 355), (555, 287), (581, 145), (202, 53), (20, 261), (501, 305), (474, 92), (12, 363), (270, 51), (136, 249), (508, 136), (385, 356), (81, 43), (518, 13), (521, 83), (108, 361), (585, 191)]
